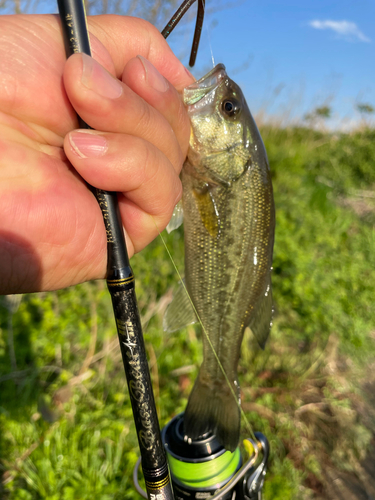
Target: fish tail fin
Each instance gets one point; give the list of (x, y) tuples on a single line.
[(213, 409)]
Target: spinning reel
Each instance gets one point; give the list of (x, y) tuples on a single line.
[(203, 469)]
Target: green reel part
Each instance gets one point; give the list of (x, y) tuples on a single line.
[(210, 474)]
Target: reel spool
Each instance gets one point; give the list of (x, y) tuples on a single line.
[(198, 468), (203, 469)]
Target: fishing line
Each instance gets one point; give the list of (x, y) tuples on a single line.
[(247, 423), (212, 53), (210, 44)]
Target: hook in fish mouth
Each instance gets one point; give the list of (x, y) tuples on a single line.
[(217, 74)]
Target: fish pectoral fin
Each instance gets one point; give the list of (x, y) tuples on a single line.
[(208, 211), (261, 319), (180, 312), (177, 218)]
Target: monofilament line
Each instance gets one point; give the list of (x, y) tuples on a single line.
[(210, 44), (247, 424)]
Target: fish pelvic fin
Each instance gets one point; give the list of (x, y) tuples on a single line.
[(180, 312), (177, 218), (213, 409), (261, 320)]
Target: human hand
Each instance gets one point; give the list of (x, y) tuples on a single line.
[(52, 233)]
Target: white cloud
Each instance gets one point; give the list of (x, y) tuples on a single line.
[(345, 29)]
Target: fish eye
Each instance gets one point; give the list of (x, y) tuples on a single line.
[(231, 107)]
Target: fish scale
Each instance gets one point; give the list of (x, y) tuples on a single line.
[(229, 231)]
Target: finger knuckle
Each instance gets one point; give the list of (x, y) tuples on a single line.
[(143, 119)]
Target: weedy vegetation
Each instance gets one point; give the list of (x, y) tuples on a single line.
[(66, 428)]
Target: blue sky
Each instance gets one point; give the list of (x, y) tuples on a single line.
[(300, 54), (289, 56)]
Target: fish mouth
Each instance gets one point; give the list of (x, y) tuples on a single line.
[(204, 86)]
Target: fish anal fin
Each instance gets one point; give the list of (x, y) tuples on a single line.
[(207, 211), (261, 317), (180, 312)]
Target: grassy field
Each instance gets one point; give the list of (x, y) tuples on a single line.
[(66, 428)]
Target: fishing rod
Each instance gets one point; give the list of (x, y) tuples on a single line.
[(121, 285), (246, 481), (121, 282)]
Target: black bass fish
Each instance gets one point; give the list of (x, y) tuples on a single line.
[(229, 223)]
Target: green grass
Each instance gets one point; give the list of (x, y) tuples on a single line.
[(66, 427)]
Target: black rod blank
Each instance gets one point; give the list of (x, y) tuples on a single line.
[(120, 281)]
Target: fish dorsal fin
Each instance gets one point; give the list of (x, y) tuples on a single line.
[(177, 218), (261, 318), (180, 312), (208, 211)]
